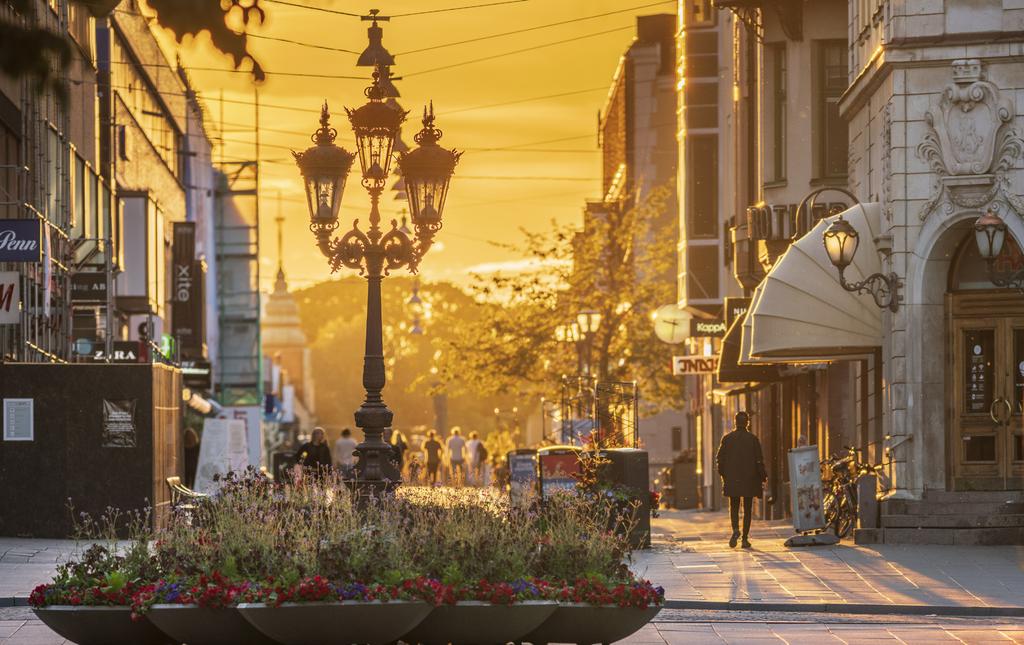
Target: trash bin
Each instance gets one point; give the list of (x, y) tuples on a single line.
[(684, 481)]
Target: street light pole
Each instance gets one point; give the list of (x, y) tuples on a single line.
[(427, 171)]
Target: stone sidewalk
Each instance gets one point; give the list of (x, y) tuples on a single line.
[(692, 560)]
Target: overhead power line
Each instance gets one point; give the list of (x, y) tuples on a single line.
[(536, 27), (518, 51), (303, 43), (314, 8), (472, 6)]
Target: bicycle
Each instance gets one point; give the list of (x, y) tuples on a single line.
[(842, 472)]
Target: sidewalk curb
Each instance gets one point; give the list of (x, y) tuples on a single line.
[(846, 608), (13, 601)]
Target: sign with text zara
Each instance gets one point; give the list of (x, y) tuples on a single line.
[(694, 365)]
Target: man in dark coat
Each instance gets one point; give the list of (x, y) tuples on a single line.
[(741, 465)]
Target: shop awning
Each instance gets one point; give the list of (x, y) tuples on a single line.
[(800, 313), (731, 370)]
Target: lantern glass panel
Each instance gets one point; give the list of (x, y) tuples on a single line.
[(990, 241), (324, 194), (375, 146), (426, 198), (841, 244)]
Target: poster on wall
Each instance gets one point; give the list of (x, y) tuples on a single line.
[(19, 422), (805, 488), (223, 449), (119, 424)]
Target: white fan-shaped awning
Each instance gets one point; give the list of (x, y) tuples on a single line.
[(800, 312)]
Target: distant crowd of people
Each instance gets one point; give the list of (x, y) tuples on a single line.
[(454, 460)]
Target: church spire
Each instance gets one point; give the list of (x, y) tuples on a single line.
[(280, 284)]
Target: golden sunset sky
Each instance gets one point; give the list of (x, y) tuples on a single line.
[(526, 161)]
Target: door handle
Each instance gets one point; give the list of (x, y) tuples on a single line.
[(992, 411)]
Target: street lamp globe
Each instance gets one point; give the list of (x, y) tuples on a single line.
[(841, 242), (588, 321), (989, 233), (561, 333), (324, 168), (427, 170), (574, 332), (376, 127)]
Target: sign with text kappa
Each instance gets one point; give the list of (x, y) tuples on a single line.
[(10, 298), (694, 365), (711, 328), (21, 240)]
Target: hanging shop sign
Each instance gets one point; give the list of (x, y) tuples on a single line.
[(694, 365), (21, 240), (89, 288), (123, 351), (186, 291), (10, 298), (734, 308), (710, 328), (196, 374)]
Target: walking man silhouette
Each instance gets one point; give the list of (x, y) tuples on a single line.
[(741, 466)]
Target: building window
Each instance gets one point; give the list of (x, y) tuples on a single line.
[(677, 438), (776, 54), (702, 177), (830, 130), (699, 13), (702, 268)]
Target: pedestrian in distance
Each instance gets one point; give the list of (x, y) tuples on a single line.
[(344, 454), (457, 457), (472, 452), (741, 466), (432, 457), (315, 456)]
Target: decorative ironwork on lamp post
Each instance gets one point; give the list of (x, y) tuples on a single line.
[(375, 252)]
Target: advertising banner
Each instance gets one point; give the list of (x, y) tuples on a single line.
[(223, 449), (21, 240), (10, 298), (714, 328), (186, 294), (522, 476), (119, 424), (805, 488), (558, 471)]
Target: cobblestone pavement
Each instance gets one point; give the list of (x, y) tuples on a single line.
[(689, 627), (692, 560)]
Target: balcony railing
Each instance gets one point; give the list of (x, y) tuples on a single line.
[(781, 222)]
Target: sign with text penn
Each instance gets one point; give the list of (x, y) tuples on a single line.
[(21, 240), (694, 365), (712, 328)]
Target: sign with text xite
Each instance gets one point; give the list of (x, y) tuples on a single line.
[(186, 291), (21, 240)]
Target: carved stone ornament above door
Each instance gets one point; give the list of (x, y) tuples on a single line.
[(971, 144)]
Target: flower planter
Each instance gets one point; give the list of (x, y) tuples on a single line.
[(100, 625), (586, 624), (196, 625), (330, 623), (480, 623)]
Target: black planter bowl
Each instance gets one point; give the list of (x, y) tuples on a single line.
[(197, 625), (479, 623), (585, 624), (100, 625), (335, 623)]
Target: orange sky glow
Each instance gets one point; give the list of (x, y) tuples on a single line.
[(526, 163)]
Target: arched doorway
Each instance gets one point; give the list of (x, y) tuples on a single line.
[(985, 372)]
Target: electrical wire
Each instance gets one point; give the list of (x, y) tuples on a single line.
[(312, 8), (534, 28), (518, 51), (527, 100), (474, 6), (304, 44)]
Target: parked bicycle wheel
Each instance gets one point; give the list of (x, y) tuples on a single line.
[(840, 513)]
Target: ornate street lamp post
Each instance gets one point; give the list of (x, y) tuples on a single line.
[(427, 171)]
